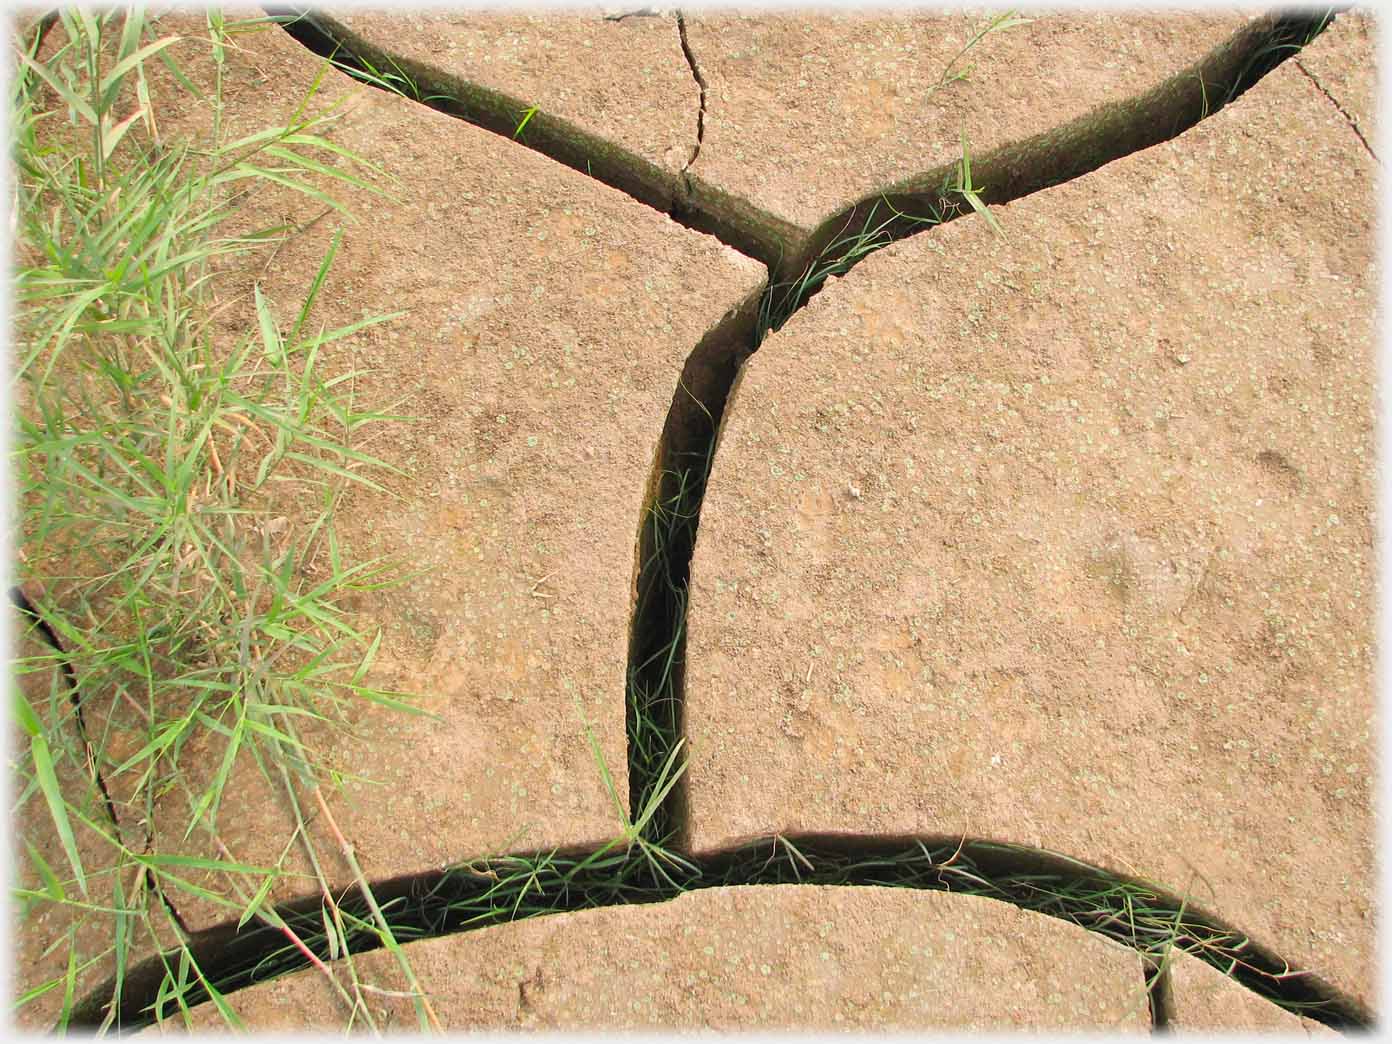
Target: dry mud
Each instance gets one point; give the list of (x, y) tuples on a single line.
[(1060, 538), (1065, 538)]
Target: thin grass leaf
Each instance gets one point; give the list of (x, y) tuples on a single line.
[(57, 807), (75, 102), (526, 119), (253, 907), (53, 888), (69, 981), (111, 82), (165, 859)]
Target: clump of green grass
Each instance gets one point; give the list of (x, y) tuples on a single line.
[(501, 889), (177, 483)]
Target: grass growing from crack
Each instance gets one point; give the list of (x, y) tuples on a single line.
[(527, 115), (1294, 32), (874, 232), (395, 80), (970, 192), (653, 712), (177, 492), (502, 889)]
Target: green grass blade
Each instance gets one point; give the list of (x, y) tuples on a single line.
[(57, 807)]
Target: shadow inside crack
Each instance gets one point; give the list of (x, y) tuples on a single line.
[(734, 221), (1158, 924), (507, 888)]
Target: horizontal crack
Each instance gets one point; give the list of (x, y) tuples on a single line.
[(1134, 913), (734, 221)]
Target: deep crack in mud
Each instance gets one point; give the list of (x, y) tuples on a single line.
[(734, 221), (515, 887), (470, 896)]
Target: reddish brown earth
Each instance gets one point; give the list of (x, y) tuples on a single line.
[(1206, 1001), (547, 320), (734, 959), (1062, 539), (624, 79), (1345, 67), (1065, 538), (865, 101)]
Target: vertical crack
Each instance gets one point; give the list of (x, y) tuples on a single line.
[(1342, 111), (1159, 994), (656, 680), (701, 84), (25, 605), (22, 602)]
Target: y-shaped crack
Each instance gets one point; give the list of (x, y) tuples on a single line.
[(534, 884), (1338, 105), (689, 439), (701, 86)]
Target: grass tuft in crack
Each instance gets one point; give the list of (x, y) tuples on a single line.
[(654, 706), (878, 229), (395, 80), (177, 491), (499, 890)]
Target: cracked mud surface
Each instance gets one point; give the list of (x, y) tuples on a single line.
[(626, 80), (905, 966), (1066, 538), (1352, 85), (861, 101), (1048, 518)]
